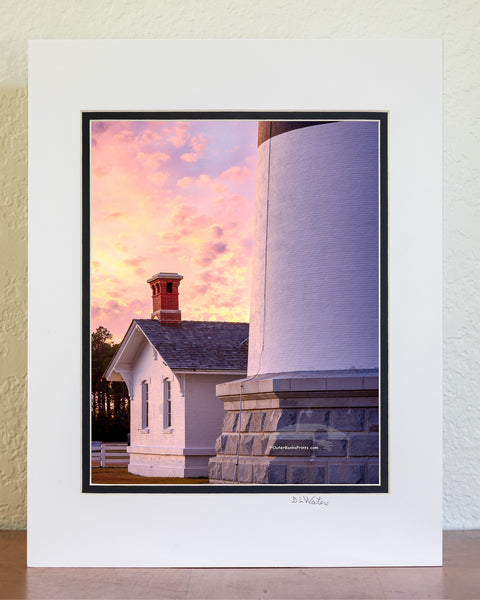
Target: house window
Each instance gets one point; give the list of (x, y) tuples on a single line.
[(167, 404), (144, 405), (169, 287)]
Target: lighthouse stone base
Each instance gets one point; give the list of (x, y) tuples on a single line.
[(299, 428)]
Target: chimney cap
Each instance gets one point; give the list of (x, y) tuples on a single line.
[(165, 276)]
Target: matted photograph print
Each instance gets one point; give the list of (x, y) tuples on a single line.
[(235, 302)]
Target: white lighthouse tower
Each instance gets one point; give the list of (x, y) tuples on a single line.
[(308, 410)]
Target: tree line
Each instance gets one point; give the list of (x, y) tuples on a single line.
[(109, 399)]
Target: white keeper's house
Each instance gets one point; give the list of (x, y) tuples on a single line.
[(171, 368)]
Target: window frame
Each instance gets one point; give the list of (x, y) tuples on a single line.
[(167, 404), (145, 400)]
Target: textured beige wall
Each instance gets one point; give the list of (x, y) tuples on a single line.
[(457, 22)]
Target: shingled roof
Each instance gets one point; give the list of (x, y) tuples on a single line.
[(201, 345)]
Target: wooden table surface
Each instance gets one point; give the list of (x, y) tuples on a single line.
[(459, 578)]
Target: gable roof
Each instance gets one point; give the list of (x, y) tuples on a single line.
[(201, 345)]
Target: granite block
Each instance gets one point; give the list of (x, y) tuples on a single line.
[(271, 420), (228, 470), (260, 473), (346, 473), (364, 444), (373, 474), (244, 420), (277, 473), (372, 419), (349, 419), (287, 420), (317, 474), (260, 444), (231, 444), (298, 474), (256, 421), (329, 445), (230, 420), (215, 469), (245, 473), (246, 444), (313, 419)]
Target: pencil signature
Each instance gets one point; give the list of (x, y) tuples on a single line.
[(317, 500)]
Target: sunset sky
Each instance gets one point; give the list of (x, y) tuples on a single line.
[(171, 196)]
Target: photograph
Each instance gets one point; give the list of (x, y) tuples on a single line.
[(235, 294)]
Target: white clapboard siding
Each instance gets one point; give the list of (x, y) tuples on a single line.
[(110, 454)]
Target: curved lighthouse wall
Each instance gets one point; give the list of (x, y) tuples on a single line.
[(315, 295)]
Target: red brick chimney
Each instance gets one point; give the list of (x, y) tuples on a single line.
[(165, 298)]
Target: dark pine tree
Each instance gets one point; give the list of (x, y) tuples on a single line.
[(110, 401)]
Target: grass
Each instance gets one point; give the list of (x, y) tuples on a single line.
[(120, 475)]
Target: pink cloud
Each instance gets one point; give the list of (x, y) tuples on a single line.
[(185, 182), (219, 188), (199, 143), (125, 137), (210, 252), (182, 215), (158, 178), (171, 236), (201, 289), (100, 171), (217, 231), (178, 140), (237, 174), (219, 247), (180, 135), (118, 316), (152, 161), (142, 225), (204, 179), (119, 292), (210, 277), (122, 247), (135, 262), (189, 157), (149, 136)]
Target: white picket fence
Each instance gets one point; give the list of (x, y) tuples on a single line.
[(109, 454)]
